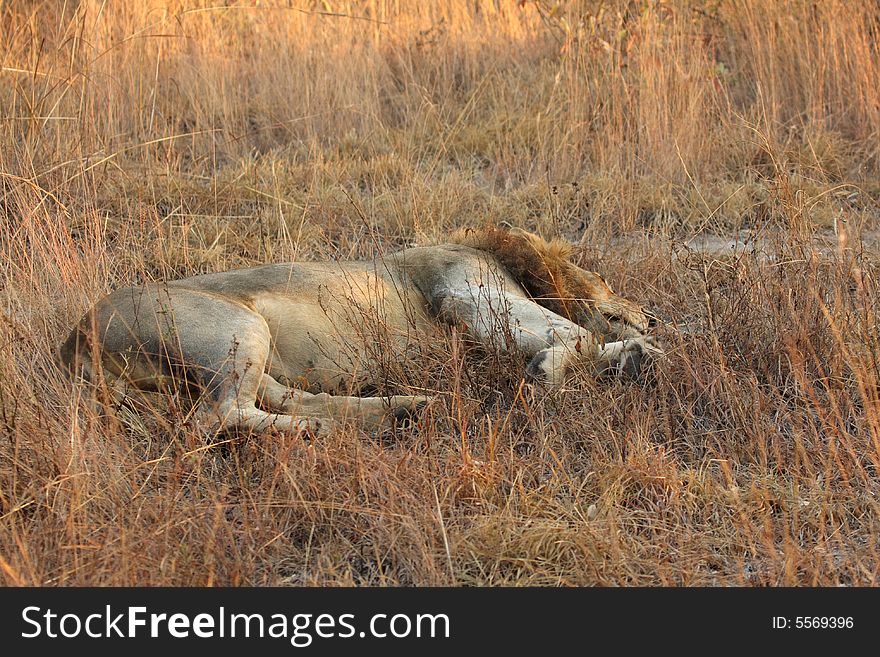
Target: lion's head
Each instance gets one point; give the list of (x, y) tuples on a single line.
[(544, 268)]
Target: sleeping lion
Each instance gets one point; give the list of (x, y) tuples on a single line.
[(272, 346)]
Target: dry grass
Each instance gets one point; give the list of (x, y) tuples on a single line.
[(149, 140)]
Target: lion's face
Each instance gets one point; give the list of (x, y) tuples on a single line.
[(598, 309)]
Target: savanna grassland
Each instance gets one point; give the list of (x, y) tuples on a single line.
[(151, 140)]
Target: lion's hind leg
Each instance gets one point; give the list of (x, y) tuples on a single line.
[(258, 421), (370, 411), (234, 406), (233, 393)]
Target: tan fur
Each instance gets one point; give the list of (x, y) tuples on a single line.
[(272, 346)]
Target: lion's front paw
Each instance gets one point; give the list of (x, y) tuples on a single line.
[(405, 409), (638, 354), (547, 365), (313, 427)]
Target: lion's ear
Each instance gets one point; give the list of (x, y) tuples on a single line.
[(516, 231), (522, 233), (602, 278)]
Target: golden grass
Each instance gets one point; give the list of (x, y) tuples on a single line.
[(158, 139)]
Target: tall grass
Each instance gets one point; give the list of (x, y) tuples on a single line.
[(151, 140)]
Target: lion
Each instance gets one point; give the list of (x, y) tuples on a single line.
[(274, 346)]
